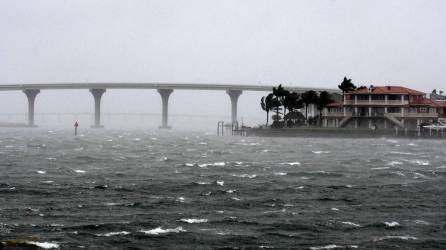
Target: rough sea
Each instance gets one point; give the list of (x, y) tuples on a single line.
[(108, 189)]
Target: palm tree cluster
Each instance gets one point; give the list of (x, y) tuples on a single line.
[(288, 104)]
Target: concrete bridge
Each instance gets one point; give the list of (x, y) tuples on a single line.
[(164, 89)]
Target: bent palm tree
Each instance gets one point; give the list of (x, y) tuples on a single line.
[(267, 105), (323, 100), (346, 86), (309, 97)]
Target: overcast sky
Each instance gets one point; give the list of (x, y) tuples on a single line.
[(301, 43)]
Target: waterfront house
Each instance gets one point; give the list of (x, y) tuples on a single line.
[(384, 107)]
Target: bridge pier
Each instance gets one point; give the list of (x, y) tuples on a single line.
[(97, 95), (31, 95), (234, 95), (165, 93)]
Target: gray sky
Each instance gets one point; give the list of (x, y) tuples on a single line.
[(302, 43)]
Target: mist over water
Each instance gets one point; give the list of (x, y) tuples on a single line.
[(139, 189)]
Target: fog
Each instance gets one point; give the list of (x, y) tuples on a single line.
[(297, 43)]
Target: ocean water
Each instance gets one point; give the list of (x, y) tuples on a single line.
[(167, 190)]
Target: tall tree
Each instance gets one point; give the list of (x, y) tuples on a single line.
[(309, 97), (346, 86), (280, 93), (291, 102), (323, 100), (267, 104)]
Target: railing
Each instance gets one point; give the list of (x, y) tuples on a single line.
[(410, 114), (337, 114), (376, 102)]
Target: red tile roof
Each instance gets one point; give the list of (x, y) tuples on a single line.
[(429, 102), (336, 104), (386, 90)]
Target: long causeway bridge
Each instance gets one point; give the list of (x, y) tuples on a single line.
[(164, 89)]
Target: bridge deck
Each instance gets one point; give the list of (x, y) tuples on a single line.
[(183, 86)]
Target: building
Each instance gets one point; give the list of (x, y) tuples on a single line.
[(385, 107)]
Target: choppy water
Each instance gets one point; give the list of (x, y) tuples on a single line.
[(151, 190)]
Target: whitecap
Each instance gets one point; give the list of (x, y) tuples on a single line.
[(191, 221), (250, 176), (418, 176), (80, 171), (392, 224), (113, 234), (51, 158), (203, 183), (300, 187), (401, 153), (220, 183), (413, 144), (45, 245), (218, 164), (181, 199), (137, 139), (405, 237), (304, 178), (334, 209), (202, 143), (380, 168), (320, 152), (420, 162), (399, 173), (422, 222), (238, 163), (112, 204), (47, 182), (189, 164), (332, 246), (280, 173), (203, 165), (393, 163), (296, 163), (159, 230), (350, 223), (235, 198), (41, 172), (392, 141), (230, 191)]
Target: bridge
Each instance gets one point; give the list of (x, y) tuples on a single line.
[(164, 89)]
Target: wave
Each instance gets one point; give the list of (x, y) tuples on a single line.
[(113, 234), (321, 152), (390, 237), (350, 223), (159, 230), (44, 245), (296, 163), (191, 221), (250, 176)]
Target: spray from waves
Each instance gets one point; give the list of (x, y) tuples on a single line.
[(194, 220), (159, 230), (113, 234)]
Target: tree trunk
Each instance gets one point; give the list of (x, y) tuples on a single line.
[(267, 116)]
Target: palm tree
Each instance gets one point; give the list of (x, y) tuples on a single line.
[(267, 105), (280, 93), (308, 97), (323, 100), (346, 86)]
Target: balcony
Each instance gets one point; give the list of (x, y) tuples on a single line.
[(421, 115), (376, 102), (337, 114)]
